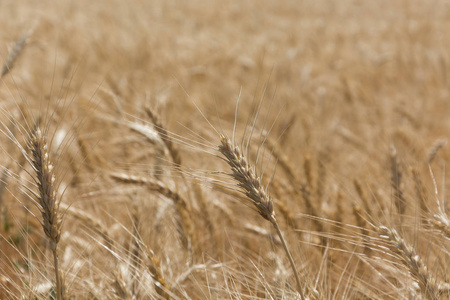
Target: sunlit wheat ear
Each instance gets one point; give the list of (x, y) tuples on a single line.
[(251, 185), (46, 184), (46, 199), (429, 287), (244, 174), (160, 283)]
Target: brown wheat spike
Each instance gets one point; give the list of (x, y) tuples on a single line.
[(306, 192), (176, 158), (173, 151), (186, 226), (47, 202), (311, 209), (120, 287), (442, 223), (15, 52), (362, 224), (283, 161), (321, 175), (251, 185), (435, 149), (396, 180), (215, 239), (429, 287), (421, 194), (307, 166), (300, 189), (3, 184), (160, 283), (247, 180), (339, 212), (363, 196), (135, 252), (89, 157), (336, 228)]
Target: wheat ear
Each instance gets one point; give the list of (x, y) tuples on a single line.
[(162, 132), (428, 285), (396, 183), (120, 287), (15, 52), (47, 202), (442, 223), (160, 283), (251, 185)]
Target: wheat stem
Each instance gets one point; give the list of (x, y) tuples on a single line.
[(288, 253)]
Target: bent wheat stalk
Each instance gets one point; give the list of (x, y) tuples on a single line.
[(46, 200), (251, 185), (186, 226)]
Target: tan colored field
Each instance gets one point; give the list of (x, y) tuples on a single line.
[(151, 149)]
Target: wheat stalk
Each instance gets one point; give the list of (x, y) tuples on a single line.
[(186, 226), (251, 185), (120, 287)]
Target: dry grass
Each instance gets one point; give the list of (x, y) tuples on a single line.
[(116, 179)]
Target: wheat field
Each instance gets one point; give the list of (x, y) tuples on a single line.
[(224, 149)]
